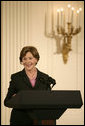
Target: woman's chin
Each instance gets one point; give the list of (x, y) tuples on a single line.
[(28, 68)]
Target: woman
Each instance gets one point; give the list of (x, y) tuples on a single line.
[(30, 78)]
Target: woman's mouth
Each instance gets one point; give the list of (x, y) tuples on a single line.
[(29, 65)]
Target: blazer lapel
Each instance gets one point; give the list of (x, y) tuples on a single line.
[(38, 79), (25, 78)]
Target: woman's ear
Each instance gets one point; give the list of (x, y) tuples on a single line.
[(36, 62), (21, 63)]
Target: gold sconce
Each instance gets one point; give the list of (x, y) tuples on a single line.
[(64, 32)]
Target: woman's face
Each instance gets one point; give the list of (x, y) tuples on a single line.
[(29, 61)]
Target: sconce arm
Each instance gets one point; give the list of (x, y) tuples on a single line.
[(61, 30), (50, 35), (76, 31)]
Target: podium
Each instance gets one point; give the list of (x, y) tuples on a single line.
[(46, 105)]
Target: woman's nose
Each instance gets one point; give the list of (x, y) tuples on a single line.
[(27, 61)]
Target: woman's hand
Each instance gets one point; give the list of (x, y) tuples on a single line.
[(13, 95)]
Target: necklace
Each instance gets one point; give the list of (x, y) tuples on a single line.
[(32, 75)]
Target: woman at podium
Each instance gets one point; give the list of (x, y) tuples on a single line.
[(30, 78)]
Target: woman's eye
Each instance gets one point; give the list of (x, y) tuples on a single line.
[(30, 58), (24, 58)]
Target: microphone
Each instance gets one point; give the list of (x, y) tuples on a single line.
[(48, 81), (51, 81)]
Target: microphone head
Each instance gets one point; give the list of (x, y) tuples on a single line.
[(52, 81)]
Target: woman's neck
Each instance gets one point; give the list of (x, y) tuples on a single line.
[(31, 73)]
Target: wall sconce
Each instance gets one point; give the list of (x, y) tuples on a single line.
[(65, 32)]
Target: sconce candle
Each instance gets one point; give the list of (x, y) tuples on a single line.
[(52, 20), (61, 17), (77, 18), (69, 12), (80, 9), (58, 18), (64, 20), (72, 15)]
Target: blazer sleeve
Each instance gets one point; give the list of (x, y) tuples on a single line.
[(11, 89), (51, 81), (48, 81)]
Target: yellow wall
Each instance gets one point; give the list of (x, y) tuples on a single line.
[(22, 23)]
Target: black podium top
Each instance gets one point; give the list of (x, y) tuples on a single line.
[(46, 99), (46, 104)]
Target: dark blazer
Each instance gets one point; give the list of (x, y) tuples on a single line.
[(20, 81)]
